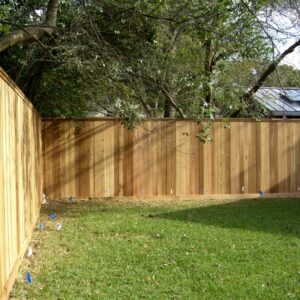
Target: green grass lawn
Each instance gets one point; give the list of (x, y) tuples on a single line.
[(249, 249)]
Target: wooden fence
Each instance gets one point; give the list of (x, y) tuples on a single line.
[(99, 158), (20, 178)]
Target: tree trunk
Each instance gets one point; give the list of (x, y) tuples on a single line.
[(167, 109), (171, 102), (29, 34), (208, 68), (34, 81)]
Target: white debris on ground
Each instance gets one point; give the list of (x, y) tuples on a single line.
[(58, 226), (30, 252), (44, 201)]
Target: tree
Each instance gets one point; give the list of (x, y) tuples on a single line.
[(135, 58), (207, 34), (79, 48)]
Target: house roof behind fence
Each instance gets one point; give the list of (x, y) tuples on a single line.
[(280, 101)]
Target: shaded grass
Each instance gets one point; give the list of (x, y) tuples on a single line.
[(248, 249)]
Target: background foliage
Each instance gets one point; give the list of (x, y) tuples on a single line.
[(135, 59)]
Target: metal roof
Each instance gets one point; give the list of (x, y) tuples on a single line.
[(280, 101)]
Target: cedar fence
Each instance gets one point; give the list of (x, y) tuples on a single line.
[(20, 178), (100, 158)]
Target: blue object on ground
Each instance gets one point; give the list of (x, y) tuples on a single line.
[(52, 216), (28, 278), (70, 199), (261, 193), (42, 226)]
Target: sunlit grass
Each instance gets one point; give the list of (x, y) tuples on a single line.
[(248, 249)]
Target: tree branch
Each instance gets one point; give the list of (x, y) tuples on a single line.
[(171, 101), (271, 68), (32, 33)]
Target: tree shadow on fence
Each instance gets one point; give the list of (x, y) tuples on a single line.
[(275, 216)]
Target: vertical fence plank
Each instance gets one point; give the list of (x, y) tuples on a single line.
[(282, 157), (2, 208), (194, 159), (264, 180), (235, 186), (273, 157), (297, 156), (20, 186), (201, 161), (291, 158), (159, 158), (252, 158)]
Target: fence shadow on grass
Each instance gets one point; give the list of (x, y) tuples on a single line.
[(275, 216)]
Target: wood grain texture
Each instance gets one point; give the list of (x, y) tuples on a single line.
[(20, 178), (165, 158)]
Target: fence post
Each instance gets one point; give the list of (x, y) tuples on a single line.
[(121, 160)]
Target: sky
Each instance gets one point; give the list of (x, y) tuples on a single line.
[(285, 39), (292, 59)]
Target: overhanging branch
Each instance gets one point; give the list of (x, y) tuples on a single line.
[(32, 33), (271, 68)]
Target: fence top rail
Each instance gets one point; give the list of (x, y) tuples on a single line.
[(14, 86), (62, 119)]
